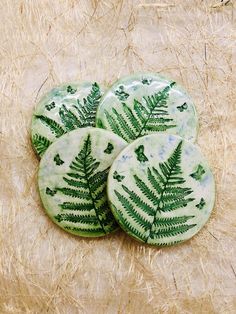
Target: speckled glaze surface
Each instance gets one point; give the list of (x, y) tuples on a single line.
[(72, 181), (63, 109), (141, 104), (161, 189)]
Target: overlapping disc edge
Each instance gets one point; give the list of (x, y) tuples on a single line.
[(104, 95), (196, 184)]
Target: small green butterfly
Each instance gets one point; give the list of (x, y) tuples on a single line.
[(71, 90), (58, 160), (50, 192), (118, 177), (109, 148), (146, 81), (201, 204), (197, 175), (140, 154), (50, 106), (121, 94), (183, 107)]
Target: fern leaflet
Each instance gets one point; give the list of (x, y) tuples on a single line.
[(55, 127), (150, 115), (40, 143), (70, 119), (87, 111), (87, 186), (159, 193)]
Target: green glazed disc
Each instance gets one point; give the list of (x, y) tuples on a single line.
[(142, 104), (72, 181), (160, 189), (63, 109)]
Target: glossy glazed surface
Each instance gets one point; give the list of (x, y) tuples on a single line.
[(72, 181), (63, 109), (147, 103), (161, 189)]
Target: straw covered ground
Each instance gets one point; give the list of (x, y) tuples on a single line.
[(44, 43)]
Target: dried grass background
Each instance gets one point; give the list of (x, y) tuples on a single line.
[(44, 43)]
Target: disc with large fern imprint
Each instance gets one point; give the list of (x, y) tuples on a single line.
[(157, 201), (64, 109), (72, 181), (146, 103)]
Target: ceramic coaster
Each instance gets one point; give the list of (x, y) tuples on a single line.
[(141, 104), (72, 181), (63, 109), (161, 189)]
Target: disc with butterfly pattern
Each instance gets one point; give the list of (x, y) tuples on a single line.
[(161, 189), (142, 104), (72, 181), (63, 109)]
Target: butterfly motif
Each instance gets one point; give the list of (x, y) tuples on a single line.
[(109, 148), (50, 106), (183, 107), (58, 160), (50, 192), (71, 90), (197, 175), (140, 154), (146, 81), (121, 94), (118, 177), (201, 204)]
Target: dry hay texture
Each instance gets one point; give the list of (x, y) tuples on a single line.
[(44, 43)]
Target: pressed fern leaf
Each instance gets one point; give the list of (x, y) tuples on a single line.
[(73, 178), (69, 119), (143, 208), (82, 230), (171, 231), (150, 115), (40, 143), (55, 127), (87, 111), (65, 109), (88, 187), (139, 105), (168, 222)]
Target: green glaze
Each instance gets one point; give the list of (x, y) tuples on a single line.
[(72, 181), (152, 193), (63, 109), (142, 104), (109, 148), (197, 175)]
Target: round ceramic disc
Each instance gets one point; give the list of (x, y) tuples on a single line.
[(63, 109), (142, 104), (161, 189), (72, 181)]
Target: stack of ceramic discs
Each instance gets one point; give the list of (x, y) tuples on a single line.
[(124, 157)]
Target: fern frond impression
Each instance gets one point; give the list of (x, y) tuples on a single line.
[(55, 127), (87, 186), (150, 115), (87, 111), (69, 119), (40, 143), (160, 192), (80, 115)]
